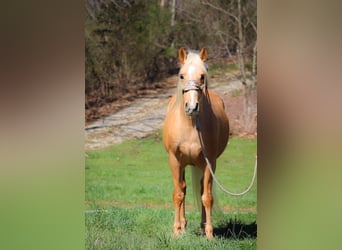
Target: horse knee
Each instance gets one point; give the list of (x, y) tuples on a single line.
[(178, 197), (207, 200)]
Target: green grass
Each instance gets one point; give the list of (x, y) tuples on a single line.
[(147, 228), (132, 183), (133, 172)]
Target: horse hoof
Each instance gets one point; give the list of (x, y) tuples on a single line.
[(178, 232), (209, 233), (210, 236)]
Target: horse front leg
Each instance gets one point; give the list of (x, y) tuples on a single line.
[(207, 201), (178, 174), (182, 206)]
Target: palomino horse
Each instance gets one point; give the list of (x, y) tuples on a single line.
[(194, 108)]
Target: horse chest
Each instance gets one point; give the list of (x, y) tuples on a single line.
[(189, 149)]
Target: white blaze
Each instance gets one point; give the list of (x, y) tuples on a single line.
[(192, 93), (193, 98), (191, 71)]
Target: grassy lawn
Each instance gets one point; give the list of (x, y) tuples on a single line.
[(129, 199), (147, 228)]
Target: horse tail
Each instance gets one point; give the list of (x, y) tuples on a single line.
[(197, 175)]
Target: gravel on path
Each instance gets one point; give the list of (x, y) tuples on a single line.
[(142, 118)]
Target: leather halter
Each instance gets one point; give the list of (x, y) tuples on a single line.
[(192, 85)]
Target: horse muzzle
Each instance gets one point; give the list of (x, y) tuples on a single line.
[(191, 109), (192, 89)]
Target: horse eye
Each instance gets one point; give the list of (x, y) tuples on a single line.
[(202, 78), (181, 76)]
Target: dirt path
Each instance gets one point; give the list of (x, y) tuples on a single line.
[(146, 115)]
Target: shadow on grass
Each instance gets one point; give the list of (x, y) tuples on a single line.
[(235, 229)]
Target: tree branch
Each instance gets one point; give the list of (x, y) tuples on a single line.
[(219, 9), (251, 23)]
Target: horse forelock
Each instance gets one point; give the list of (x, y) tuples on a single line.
[(194, 58)]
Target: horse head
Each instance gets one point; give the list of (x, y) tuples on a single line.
[(193, 79)]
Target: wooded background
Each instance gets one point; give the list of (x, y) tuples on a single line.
[(130, 44)]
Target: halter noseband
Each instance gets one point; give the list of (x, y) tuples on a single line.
[(192, 85)]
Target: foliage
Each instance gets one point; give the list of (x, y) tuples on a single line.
[(127, 42), (122, 45)]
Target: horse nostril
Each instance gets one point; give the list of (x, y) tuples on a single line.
[(191, 109), (196, 107)]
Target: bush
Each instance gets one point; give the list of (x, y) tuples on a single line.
[(125, 45)]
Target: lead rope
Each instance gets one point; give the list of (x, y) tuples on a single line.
[(212, 172)]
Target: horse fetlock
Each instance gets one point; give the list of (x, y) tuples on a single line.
[(209, 231), (183, 224), (178, 229)]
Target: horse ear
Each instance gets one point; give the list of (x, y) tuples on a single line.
[(181, 56), (203, 54)]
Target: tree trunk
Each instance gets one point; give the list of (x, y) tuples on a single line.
[(247, 107), (241, 46), (173, 20), (162, 3), (254, 64)]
